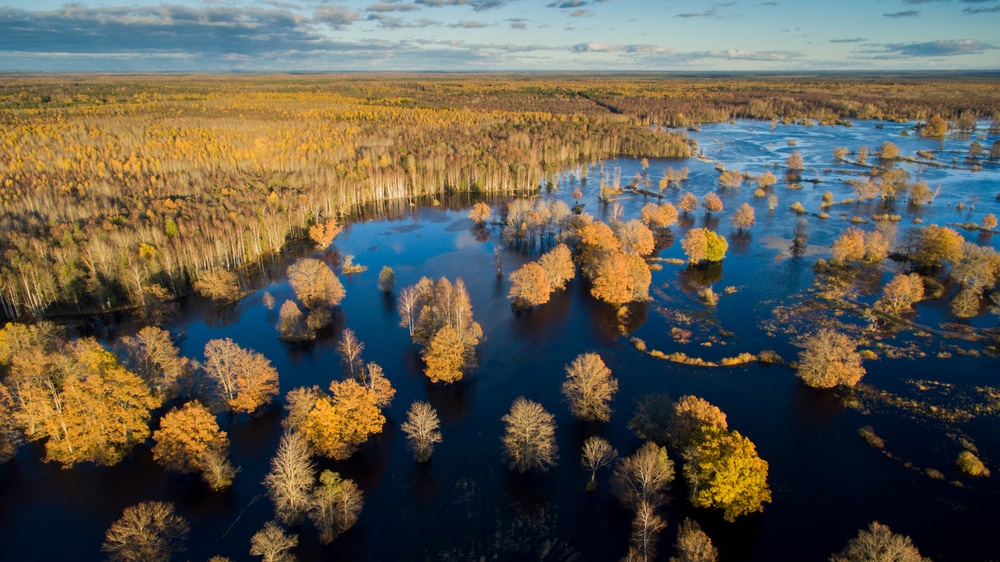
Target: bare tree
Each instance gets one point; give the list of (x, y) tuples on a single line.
[(335, 505), (646, 528), (146, 532), (350, 349), (154, 357), (878, 544), (643, 477), (529, 440), (693, 545), (291, 479), (272, 544), (421, 428), (589, 387), (597, 454)]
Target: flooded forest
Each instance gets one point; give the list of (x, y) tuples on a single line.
[(517, 317)]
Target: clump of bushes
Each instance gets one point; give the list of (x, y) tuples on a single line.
[(970, 465), (868, 434)]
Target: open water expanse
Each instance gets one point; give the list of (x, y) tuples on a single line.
[(465, 504)]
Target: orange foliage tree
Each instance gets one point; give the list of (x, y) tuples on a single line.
[(529, 286), (189, 440)]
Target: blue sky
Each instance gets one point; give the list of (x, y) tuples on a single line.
[(498, 35)]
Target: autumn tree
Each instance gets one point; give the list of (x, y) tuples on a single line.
[(877, 243), (10, 434), (315, 284), (766, 180), (635, 238), (688, 203), (558, 266), (597, 453), (937, 245), (889, 151), (291, 479), (879, 543), (189, 440), (900, 293), (658, 216), (323, 233), (744, 217), (218, 284), (480, 213), (336, 503), (429, 306), (730, 179), (146, 532), (611, 281), (272, 544), (444, 358), (693, 545), (711, 203), (849, 246), (386, 279), (688, 416), (589, 387), (336, 426), (794, 161), (82, 402), (529, 286), (153, 356), (703, 245), (989, 221), (529, 436), (350, 348), (422, 430), (935, 127), (245, 379), (723, 471), (292, 324), (830, 359)]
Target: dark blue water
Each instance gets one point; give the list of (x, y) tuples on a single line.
[(465, 504)]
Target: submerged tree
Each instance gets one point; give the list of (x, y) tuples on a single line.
[(879, 543), (711, 203), (830, 359), (336, 503), (744, 217), (272, 544), (529, 286), (688, 416), (350, 348), (146, 532), (444, 358), (218, 284), (315, 284), (644, 476), (290, 481), (693, 545), (558, 266), (597, 453), (189, 440), (723, 471), (337, 426), (900, 293), (422, 430), (529, 436), (386, 279), (292, 325), (589, 387), (154, 357), (703, 245), (245, 379)]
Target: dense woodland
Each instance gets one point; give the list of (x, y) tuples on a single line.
[(124, 192)]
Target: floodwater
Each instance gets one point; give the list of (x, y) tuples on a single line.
[(465, 504)]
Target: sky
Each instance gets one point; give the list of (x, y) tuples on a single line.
[(498, 35)]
